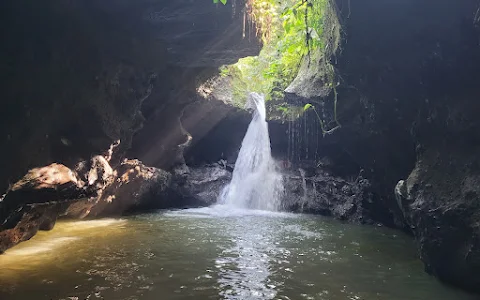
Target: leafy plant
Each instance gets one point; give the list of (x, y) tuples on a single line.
[(224, 2), (282, 28), (290, 30)]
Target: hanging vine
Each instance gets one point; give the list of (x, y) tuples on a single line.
[(330, 39)]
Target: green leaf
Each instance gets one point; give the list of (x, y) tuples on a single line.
[(272, 71), (287, 26)]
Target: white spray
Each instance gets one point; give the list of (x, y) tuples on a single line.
[(255, 182)]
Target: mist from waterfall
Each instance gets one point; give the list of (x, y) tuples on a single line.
[(255, 182)]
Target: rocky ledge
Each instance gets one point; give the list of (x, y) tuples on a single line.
[(93, 189)]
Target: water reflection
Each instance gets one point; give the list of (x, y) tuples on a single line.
[(216, 253), (243, 266), (46, 244), (244, 269)]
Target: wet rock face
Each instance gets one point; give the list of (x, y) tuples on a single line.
[(201, 186), (441, 203), (322, 193)]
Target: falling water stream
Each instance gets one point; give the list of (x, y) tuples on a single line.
[(255, 182), (240, 249)]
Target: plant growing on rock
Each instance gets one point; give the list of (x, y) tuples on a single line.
[(290, 31)]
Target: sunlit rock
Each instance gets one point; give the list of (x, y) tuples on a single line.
[(35, 202)]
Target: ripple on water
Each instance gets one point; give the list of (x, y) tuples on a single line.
[(217, 253)]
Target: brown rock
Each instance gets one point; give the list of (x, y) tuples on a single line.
[(44, 194), (133, 184), (34, 202)]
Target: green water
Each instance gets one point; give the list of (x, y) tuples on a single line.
[(214, 253)]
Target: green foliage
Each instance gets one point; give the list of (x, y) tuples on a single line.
[(289, 29), (307, 106), (224, 2), (284, 110)]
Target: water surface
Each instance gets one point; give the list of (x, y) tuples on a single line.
[(217, 253)]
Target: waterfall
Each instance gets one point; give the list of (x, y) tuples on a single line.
[(255, 182)]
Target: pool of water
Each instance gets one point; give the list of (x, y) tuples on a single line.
[(218, 253)]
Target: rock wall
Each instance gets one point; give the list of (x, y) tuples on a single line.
[(440, 202), (409, 74), (78, 76), (320, 192), (418, 73)]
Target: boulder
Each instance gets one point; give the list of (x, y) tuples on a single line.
[(441, 203), (133, 185), (311, 80), (35, 202), (201, 186), (328, 195), (94, 189)]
